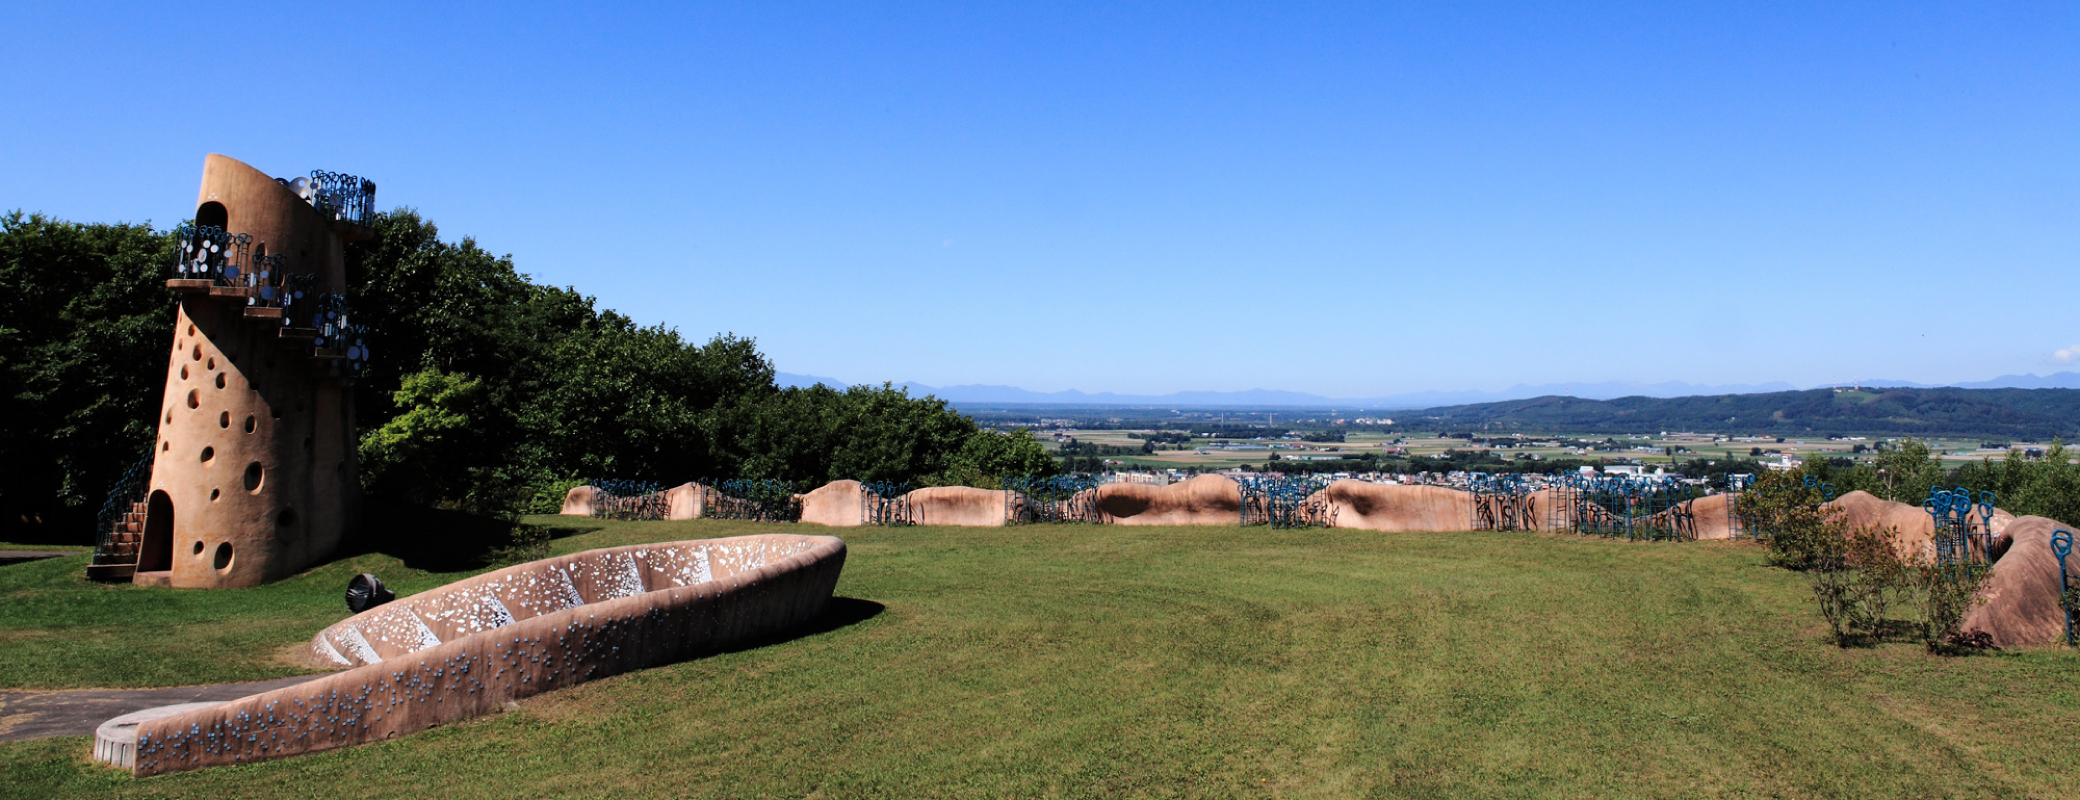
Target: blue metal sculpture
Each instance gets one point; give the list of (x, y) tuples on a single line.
[(1051, 498), (207, 252), (345, 197), (884, 503), (1285, 501), (1501, 502), (1961, 543), (2062, 546), (1628, 506), (755, 499), (628, 500), (343, 343)]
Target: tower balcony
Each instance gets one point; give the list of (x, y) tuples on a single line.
[(347, 201)]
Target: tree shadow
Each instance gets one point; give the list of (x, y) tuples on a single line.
[(442, 540), (840, 613)]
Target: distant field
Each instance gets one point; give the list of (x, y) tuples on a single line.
[(1082, 661), (1953, 452)]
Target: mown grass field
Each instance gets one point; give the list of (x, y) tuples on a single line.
[(1071, 661)]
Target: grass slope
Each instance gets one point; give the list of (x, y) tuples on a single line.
[(1188, 662)]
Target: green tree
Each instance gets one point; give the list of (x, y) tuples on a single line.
[(423, 453), (1907, 471), (85, 328)]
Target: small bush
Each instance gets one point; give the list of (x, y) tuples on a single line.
[(1801, 531), (546, 496)]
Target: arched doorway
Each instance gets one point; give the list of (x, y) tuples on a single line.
[(212, 215), (155, 553)]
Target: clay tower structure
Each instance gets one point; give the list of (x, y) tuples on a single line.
[(254, 475)]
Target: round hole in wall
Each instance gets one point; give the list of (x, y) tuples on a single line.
[(306, 442), (224, 555), (212, 363), (194, 398), (213, 494), (253, 475), (209, 453), (251, 423), (191, 330), (197, 354), (165, 446), (198, 547), (184, 372), (285, 519), (274, 413), (220, 380), (223, 419), (169, 416)]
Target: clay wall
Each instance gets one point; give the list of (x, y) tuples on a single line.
[(2018, 603), (464, 649), (256, 446), (1391, 507), (1201, 500), (838, 504), (958, 505)]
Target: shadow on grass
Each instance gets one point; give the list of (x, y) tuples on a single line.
[(440, 540), (842, 612)]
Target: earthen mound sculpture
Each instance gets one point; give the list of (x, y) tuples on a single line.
[(837, 504), (466, 648), (958, 505), (1201, 500), (1391, 507), (1916, 529), (2018, 604)]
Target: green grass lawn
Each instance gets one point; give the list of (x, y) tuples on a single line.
[(1082, 661)]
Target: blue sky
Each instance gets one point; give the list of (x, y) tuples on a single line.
[(1350, 200)]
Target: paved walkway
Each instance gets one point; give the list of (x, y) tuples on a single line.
[(77, 712), (19, 556)]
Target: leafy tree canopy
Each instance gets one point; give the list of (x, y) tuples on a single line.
[(485, 391)]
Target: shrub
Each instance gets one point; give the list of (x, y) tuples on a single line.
[(1944, 594), (1801, 531)]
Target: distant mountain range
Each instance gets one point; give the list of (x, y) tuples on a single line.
[(1996, 413), (1259, 398)]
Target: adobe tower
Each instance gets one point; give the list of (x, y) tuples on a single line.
[(253, 473)]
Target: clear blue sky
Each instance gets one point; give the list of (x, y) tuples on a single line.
[(1350, 200)]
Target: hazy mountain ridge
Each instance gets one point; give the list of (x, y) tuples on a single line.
[(2003, 413), (1607, 390)]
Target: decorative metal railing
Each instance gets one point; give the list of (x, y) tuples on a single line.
[(1051, 498), (336, 335), (210, 253), (1286, 502), (1961, 540), (114, 541), (628, 500), (2068, 598), (1737, 526), (1502, 502), (336, 195), (1624, 506), (752, 499), (884, 503)]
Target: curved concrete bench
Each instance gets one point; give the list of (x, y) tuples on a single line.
[(464, 649)]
